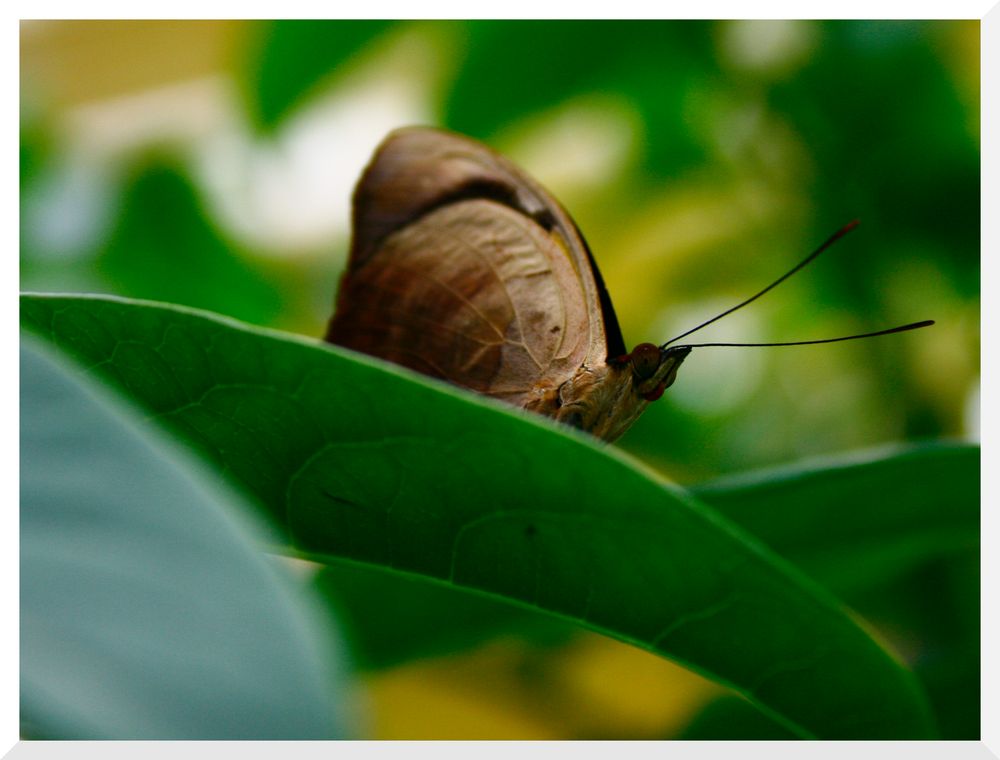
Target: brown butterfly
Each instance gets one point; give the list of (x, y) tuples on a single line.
[(464, 268)]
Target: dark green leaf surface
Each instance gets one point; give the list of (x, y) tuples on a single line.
[(291, 57), (852, 522), (392, 618), (147, 608), (362, 460), (847, 520), (895, 532), (927, 609), (735, 719)]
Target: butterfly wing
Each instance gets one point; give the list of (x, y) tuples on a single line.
[(464, 268)]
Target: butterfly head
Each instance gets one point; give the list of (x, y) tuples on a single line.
[(653, 368), (605, 400)]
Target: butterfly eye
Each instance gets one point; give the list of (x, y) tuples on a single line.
[(645, 360)]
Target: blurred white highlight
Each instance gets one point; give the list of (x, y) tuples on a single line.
[(715, 381), (773, 47)]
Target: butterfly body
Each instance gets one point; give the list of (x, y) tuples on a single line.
[(464, 269)]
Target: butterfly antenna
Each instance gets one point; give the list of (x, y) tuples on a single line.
[(901, 328), (829, 241)]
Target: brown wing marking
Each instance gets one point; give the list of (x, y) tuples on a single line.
[(417, 171), (473, 292)]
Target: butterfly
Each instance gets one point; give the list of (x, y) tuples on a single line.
[(464, 268)]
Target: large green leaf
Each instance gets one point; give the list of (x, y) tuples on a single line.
[(362, 460), (733, 718), (147, 608), (391, 618)]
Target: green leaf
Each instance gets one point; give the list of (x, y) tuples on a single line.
[(922, 608), (846, 520), (358, 459), (147, 608), (290, 58), (391, 618), (885, 529), (851, 522), (735, 719)]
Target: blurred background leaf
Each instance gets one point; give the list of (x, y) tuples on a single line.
[(147, 608), (164, 245), (513, 69), (700, 159), (287, 59)]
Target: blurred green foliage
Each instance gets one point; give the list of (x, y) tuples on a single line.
[(514, 68), (746, 143), (191, 263), (287, 59)]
